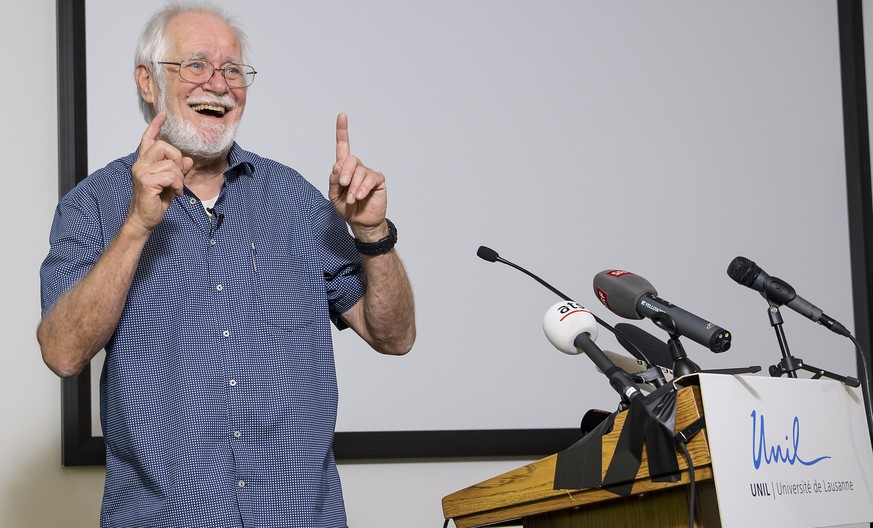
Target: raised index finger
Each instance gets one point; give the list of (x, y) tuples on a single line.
[(342, 137), (150, 136)]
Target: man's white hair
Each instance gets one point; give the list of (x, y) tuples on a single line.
[(154, 44)]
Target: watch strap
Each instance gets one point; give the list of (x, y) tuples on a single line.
[(380, 246)]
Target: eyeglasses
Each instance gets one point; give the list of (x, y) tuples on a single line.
[(200, 71)]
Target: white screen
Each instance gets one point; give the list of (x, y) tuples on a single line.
[(664, 138)]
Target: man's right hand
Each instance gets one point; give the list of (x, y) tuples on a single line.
[(158, 176), (85, 317)]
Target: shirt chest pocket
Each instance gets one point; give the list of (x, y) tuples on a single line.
[(288, 292)]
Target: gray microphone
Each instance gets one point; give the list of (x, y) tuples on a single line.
[(630, 296), (747, 273)]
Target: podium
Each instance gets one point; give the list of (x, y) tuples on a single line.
[(526, 494), (774, 452)]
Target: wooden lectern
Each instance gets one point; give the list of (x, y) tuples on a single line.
[(527, 493)]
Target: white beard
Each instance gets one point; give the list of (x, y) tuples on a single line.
[(210, 141)]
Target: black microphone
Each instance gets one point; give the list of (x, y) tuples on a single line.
[(633, 338), (747, 273), (219, 217), (486, 253), (633, 297)]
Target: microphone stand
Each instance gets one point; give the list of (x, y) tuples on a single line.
[(790, 364), (681, 364)]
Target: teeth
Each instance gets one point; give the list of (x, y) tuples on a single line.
[(206, 107)]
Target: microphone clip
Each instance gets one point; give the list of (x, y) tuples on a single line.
[(682, 365), (219, 217), (777, 291), (651, 376)]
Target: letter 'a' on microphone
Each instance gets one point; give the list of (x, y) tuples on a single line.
[(564, 321), (572, 329)]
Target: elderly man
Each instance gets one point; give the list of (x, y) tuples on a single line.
[(210, 276)]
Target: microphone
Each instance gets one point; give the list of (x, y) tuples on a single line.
[(219, 217), (633, 297), (488, 254), (747, 273), (635, 338), (572, 329)]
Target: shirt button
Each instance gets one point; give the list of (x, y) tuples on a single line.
[(211, 241), (219, 287), (226, 333), (237, 434), (232, 383), (192, 201), (241, 484)]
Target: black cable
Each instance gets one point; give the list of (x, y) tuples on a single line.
[(681, 439), (865, 386), (692, 488), (446, 524)]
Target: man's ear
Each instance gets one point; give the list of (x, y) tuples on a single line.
[(146, 83)]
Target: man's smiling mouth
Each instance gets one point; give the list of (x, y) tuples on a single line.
[(209, 110)]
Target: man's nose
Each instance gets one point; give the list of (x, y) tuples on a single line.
[(217, 83)]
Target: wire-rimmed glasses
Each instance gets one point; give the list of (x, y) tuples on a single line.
[(200, 71)]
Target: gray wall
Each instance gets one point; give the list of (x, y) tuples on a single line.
[(572, 137)]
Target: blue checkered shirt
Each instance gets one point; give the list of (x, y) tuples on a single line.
[(218, 393)]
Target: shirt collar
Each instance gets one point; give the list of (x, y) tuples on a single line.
[(240, 161)]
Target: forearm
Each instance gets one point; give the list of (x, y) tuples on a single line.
[(388, 308), (385, 317), (82, 321)]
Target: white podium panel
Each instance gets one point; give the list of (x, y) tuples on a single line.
[(788, 452)]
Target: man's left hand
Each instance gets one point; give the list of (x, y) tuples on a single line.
[(358, 192)]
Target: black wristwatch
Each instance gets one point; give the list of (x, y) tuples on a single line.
[(382, 246)]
